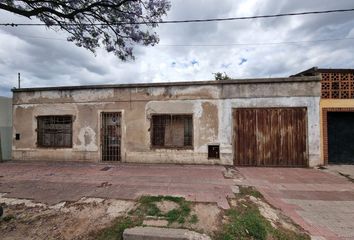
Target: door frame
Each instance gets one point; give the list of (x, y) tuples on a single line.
[(325, 128), (122, 134)]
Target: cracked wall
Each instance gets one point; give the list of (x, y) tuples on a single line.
[(211, 106)]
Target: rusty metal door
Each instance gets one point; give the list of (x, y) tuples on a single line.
[(111, 136), (340, 137), (270, 137)]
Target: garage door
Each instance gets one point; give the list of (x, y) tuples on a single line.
[(270, 137), (340, 137)]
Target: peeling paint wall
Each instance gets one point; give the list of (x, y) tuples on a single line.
[(211, 106), (313, 118)]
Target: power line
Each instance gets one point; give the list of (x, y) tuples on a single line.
[(215, 44), (253, 44), (188, 21)]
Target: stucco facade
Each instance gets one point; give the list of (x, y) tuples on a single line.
[(209, 102)]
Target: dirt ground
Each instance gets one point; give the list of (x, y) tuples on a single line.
[(24, 219), (75, 201), (319, 200)]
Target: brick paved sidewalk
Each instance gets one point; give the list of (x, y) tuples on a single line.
[(322, 203), (53, 182)]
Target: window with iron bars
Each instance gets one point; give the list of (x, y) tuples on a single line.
[(172, 131), (54, 131)]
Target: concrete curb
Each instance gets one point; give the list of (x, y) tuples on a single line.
[(154, 233)]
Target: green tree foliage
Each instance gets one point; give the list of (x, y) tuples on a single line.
[(95, 23), (221, 76)]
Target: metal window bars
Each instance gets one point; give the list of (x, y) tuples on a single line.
[(175, 131), (111, 136), (54, 131)]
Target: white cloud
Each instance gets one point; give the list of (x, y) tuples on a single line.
[(56, 62)]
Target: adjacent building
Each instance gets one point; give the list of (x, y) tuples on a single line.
[(249, 122), (337, 114), (5, 127)]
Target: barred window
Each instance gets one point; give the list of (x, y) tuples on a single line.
[(54, 131), (175, 131)]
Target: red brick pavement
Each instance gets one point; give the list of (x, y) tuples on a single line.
[(295, 190), (53, 182)]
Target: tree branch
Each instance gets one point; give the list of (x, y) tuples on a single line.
[(93, 23)]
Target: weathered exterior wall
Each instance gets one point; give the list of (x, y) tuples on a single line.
[(210, 104), (6, 126), (313, 121)]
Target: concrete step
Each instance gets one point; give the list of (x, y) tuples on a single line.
[(155, 233)]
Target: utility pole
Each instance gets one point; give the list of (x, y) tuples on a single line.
[(0, 151), (19, 80)]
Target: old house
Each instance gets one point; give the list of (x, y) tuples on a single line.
[(337, 113), (249, 122)]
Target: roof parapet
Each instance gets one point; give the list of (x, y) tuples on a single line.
[(178, 84)]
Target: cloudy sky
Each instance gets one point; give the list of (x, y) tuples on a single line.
[(249, 48)]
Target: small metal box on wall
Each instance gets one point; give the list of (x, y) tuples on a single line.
[(214, 151)]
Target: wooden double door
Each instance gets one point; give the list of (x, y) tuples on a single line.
[(270, 137)]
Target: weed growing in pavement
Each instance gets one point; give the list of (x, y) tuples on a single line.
[(7, 218), (116, 229), (244, 221), (194, 219), (148, 207), (249, 191)]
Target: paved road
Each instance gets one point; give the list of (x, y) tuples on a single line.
[(322, 203), (54, 182)]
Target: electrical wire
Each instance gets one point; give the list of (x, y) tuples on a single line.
[(187, 21), (253, 44), (215, 44)]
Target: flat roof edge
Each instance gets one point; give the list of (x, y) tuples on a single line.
[(171, 84), (316, 70)]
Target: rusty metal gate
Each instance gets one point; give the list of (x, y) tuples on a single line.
[(270, 137), (111, 136)]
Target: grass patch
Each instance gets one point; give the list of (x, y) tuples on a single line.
[(148, 207), (246, 222), (179, 214), (152, 199), (193, 219), (8, 218), (152, 210), (250, 191), (115, 231)]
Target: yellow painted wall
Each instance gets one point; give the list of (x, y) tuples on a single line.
[(332, 103), (337, 103)]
